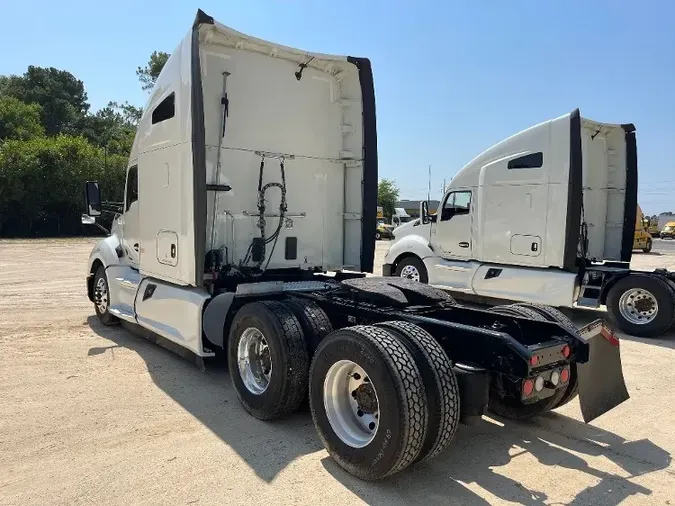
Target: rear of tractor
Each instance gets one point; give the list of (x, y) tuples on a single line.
[(391, 366)]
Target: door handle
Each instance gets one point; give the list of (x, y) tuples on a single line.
[(136, 247), (463, 244)]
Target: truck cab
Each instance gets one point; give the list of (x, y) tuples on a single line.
[(548, 216)]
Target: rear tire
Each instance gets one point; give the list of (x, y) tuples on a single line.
[(642, 305), (102, 299), (555, 315), (648, 247), (411, 267), (391, 393), (272, 383), (510, 407), (440, 385), (314, 321)]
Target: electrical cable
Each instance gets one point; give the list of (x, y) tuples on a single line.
[(261, 213)]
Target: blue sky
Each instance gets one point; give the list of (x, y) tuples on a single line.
[(452, 78)]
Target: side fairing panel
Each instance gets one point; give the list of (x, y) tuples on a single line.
[(166, 175)]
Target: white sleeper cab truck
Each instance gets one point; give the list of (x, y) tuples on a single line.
[(247, 226), (546, 216)]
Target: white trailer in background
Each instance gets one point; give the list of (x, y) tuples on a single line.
[(251, 191), (546, 216)]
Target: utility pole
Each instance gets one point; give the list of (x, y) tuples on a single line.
[(429, 190)]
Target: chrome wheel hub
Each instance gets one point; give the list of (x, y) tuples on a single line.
[(351, 403), (638, 306), (410, 272), (254, 361), (101, 295)]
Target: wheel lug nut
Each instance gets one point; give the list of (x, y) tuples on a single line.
[(356, 376), (359, 412), (353, 393), (371, 425), (366, 379)]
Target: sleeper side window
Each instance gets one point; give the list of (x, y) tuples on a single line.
[(456, 203), (529, 161), (132, 186), (166, 109)]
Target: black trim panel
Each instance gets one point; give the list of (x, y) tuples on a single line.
[(574, 195), (630, 202), (369, 213), (198, 149)]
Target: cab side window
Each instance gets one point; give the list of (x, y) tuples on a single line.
[(456, 203), (132, 186)]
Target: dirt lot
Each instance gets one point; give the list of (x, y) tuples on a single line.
[(90, 414)]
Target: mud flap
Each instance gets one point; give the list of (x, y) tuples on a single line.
[(601, 383)]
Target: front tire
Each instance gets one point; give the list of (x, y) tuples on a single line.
[(368, 401), (642, 305), (411, 267), (102, 299), (268, 360)]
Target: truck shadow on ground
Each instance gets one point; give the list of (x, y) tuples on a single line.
[(473, 458), (560, 446)]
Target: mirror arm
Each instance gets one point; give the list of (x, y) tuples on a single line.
[(102, 228)]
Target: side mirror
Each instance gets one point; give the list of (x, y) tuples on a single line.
[(92, 198), (424, 212)]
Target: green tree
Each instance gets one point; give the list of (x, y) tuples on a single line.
[(113, 127), (148, 75), (19, 120), (387, 196), (42, 179), (60, 94)]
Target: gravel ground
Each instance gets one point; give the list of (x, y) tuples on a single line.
[(94, 415)]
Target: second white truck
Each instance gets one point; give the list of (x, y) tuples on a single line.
[(546, 216)]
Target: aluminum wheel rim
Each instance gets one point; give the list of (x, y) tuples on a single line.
[(254, 361), (101, 295), (351, 403), (410, 272), (638, 306)]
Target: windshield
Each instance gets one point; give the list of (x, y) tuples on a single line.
[(668, 228)]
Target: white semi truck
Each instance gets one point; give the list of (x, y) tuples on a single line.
[(546, 216), (250, 202)]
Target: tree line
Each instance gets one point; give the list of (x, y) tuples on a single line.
[(51, 143)]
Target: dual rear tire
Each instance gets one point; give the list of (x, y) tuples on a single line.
[(382, 397), (401, 401)]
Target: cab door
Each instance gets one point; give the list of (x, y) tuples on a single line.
[(130, 230), (451, 234)]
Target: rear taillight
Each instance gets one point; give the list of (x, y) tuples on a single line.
[(565, 375), (534, 360), (528, 387), (566, 351)]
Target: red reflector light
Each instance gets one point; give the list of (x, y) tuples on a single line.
[(528, 386), (534, 360), (566, 351), (564, 375)]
